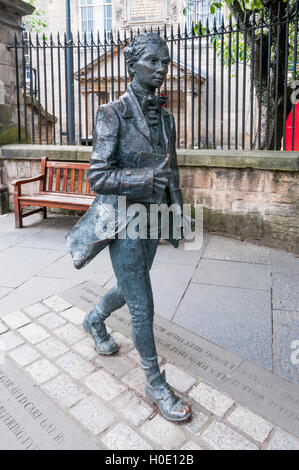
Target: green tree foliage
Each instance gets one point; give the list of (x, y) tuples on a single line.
[(237, 46), (36, 22)]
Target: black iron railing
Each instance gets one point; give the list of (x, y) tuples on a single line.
[(229, 87)]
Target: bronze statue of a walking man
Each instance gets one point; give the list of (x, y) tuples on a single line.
[(134, 125)]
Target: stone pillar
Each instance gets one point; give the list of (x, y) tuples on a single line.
[(11, 14)]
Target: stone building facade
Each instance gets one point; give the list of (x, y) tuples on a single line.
[(121, 16)]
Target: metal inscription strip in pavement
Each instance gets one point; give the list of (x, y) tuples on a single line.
[(30, 420), (253, 386)]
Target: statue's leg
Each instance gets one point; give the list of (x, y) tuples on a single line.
[(131, 266), (94, 320), (132, 260)]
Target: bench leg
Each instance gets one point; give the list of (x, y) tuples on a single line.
[(18, 216), (44, 213)]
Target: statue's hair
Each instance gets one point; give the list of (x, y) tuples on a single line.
[(138, 44)]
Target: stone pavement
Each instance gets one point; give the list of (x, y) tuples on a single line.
[(104, 396), (228, 286)]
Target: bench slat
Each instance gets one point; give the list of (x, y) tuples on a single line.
[(57, 186), (78, 166), (50, 183), (80, 180), (73, 176), (65, 179)]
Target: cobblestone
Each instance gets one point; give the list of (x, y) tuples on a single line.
[(122, 437), (42, 371), (86, 348), (104, 385), (63, 390), (209, 398), (51, 321), (36, 310), (16, 320), (52, 348), (118, 366), (133, 408), (178, 378), (57, 304), (75, 365), (74, 315), (33, 333), (136, 379), (11, 340), (94, 416), (163, 433), (282, 440), (3, 328), (250, 423), (24, 355), (221, 437), (69, 333)]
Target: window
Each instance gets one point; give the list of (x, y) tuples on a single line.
[(199, 10), (95, 15)]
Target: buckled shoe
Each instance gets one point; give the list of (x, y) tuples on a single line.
[(172, 407), (104, 342)]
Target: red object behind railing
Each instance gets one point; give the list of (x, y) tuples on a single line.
[(289, 129)]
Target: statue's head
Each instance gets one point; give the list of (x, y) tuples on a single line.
[(147, 58)]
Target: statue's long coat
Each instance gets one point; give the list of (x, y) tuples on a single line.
[(121, 132)]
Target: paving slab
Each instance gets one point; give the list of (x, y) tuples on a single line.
[(235, 250), (42, 425), (4, 291), (286, 344), (283, 262), (237, 319), (99, 270), (41, 239), (10, 239), (169, 282), (285, 287), (233, 274), (166, 253), (21, 264), (32, 291)]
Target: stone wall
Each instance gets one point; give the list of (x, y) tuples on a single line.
[(251, 195), (11, 14)]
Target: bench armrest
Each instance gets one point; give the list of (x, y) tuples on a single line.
[(28, 180)]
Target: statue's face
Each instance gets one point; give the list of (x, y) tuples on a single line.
[(152, 66)]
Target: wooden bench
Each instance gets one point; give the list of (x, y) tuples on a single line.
[(62, 185)]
